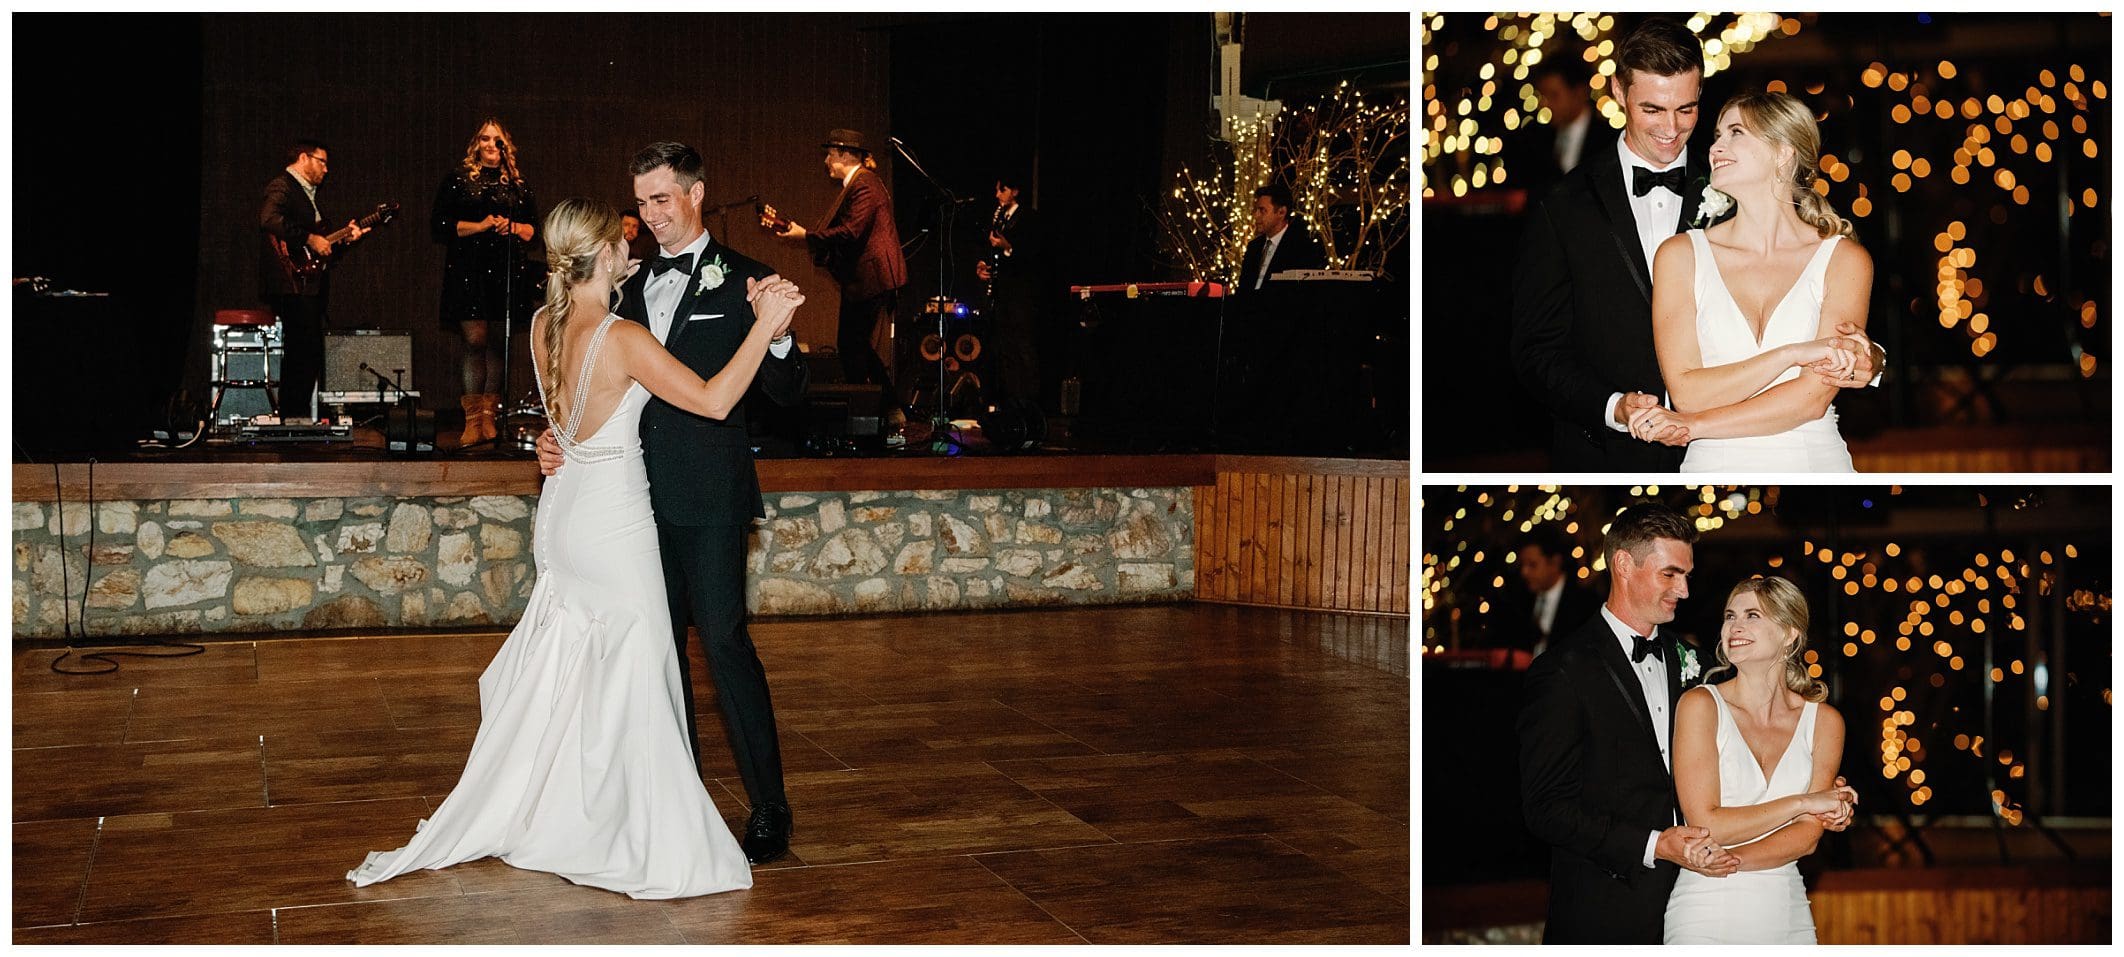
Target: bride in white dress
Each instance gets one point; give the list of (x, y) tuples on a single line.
[(1755, 762), (1745, 313), (581, 766)]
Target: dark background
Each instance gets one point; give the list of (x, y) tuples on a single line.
[(1937, 392), (158, 154), (1470, 746)]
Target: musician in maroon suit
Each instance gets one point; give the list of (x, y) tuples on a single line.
[(291, 222), (860, 248)]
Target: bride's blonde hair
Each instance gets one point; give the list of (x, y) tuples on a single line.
[(577, 231), (1782, 119), (1787, 608)]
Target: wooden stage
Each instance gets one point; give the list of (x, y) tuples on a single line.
[(1152, 774)]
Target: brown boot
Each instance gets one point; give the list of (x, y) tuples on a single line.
[(475, 408), (490, 417)]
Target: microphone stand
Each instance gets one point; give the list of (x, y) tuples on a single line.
[(404, 401), (947, 215), (512, 253)]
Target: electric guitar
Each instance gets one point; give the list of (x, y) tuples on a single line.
[(770, 219), (300, 262)]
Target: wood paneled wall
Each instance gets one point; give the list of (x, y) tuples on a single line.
[(2068, 904), (1327, 534), (397, 96)]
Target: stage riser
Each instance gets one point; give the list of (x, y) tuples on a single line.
[(1315, 534), (248, 565)]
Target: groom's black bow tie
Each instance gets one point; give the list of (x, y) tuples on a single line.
[(682, 262), (1640, 647), (1643, 180)]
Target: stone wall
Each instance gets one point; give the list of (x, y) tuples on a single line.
[(265, 565)]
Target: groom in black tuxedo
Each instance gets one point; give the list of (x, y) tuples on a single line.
[(1596, 741), (1582, 302), (702, 484)]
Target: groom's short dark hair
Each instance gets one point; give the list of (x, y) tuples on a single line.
[(1635, 528), (685, 162), (1661, 47)]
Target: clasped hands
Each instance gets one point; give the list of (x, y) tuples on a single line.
[(774, 301), (498, 223), (1847, 360), (1832, 809), (1693, 848)]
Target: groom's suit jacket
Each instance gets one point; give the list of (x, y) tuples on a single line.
[(1593, 787), (1582, 314), (700, 469)]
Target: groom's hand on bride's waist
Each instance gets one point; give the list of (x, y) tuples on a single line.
[(549, 454)]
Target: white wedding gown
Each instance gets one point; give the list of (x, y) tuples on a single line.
[(1748, 907), (1723, 336), (581, 766)]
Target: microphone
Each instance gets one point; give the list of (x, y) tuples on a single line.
[(386, 380), (411, 443)]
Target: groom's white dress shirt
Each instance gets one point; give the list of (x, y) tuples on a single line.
[(1652, 679), (1657, 213)]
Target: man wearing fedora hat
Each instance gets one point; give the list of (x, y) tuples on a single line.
[(860, 248)]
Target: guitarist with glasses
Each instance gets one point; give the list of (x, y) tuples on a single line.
[(291, 221)]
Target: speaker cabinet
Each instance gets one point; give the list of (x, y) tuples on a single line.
[(386, 351)]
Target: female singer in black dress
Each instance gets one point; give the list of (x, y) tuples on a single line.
[(486, 215)]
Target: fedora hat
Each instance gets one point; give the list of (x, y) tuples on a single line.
[(845, 140)]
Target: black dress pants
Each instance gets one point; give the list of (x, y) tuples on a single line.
[(1016, 348), (704, 578), (302, 328), (860, 362)]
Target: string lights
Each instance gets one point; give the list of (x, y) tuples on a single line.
[(2004, 140), (1346, 161), (1908, 614)]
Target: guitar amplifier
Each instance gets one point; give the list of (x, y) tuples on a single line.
[(386, 351)]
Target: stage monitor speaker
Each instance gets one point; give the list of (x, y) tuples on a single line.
[(843, 409), (385, 350)]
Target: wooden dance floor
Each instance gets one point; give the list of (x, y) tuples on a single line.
[(1184, 773)]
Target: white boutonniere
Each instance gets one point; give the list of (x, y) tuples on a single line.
[(1711, 206), (1690, 669), (712, 274)]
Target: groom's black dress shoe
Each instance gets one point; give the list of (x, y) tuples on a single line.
[(767, 833)]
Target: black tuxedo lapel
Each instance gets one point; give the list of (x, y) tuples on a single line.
[(691, 296), (1626, 683), (1674, 682), (634, 295), (697, 298), (1606, 177), (1693, 196)]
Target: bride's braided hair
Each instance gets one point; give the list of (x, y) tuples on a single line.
[(577, 231)]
